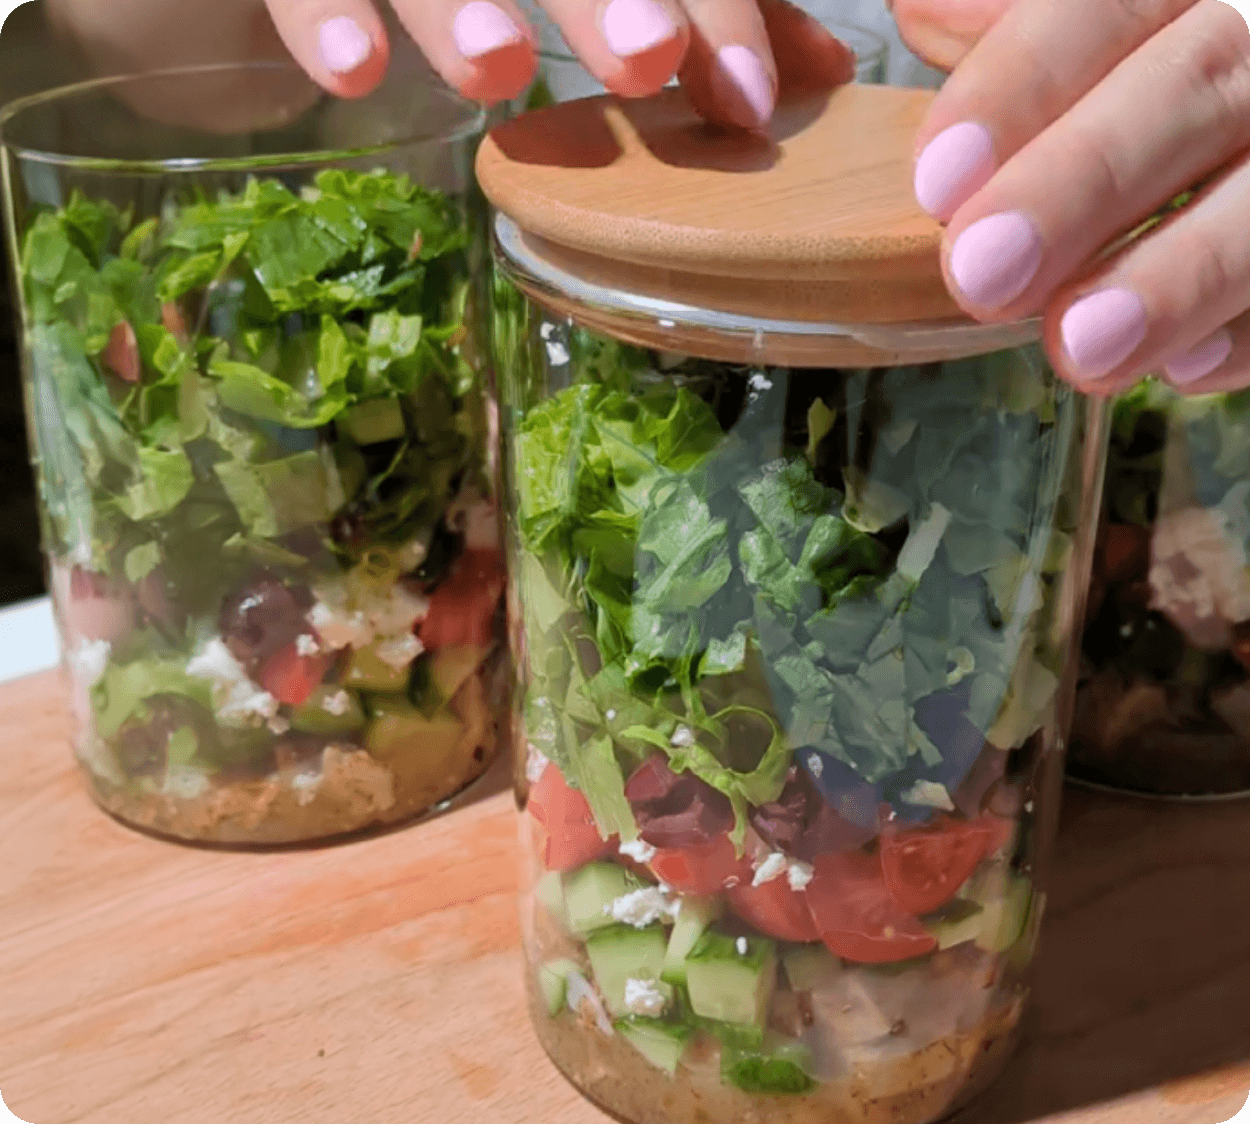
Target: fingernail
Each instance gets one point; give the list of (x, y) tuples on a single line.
[(954, 165), (633, 26), (480, 27), (344, 46), (993, 261), (1100, 331), (1200, 360), (742, 69)]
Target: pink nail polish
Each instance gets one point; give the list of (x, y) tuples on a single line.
[(344, 46), (1201, 359), (954, 165), (633, 26), (742, 67), (993, 261), (481, 27), (1102, 330)]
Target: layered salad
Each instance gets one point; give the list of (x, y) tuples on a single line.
[(1164, 700), (271, 527), (791, 643)]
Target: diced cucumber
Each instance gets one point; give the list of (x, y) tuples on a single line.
[(367, 671), (693, 919), (661, 1043), (623, 953), (550, 894), (590, 891), (731, 978), (811, 967), (1022, 954), (1004, 920), (398, 727), (324, 712), (553, 982), (379, 419), (779, 1066), (960, 922)]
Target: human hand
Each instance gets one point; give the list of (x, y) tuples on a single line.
[(1066, 125), (733, 56)]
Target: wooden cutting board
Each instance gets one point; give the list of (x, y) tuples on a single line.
[(379, 982)]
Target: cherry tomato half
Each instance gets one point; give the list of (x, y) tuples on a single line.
[(290, 677), (925, 866), (462, 609), (703, 868), (774, 908), (571, 838)]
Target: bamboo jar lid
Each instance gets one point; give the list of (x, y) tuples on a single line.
[(814, 221)]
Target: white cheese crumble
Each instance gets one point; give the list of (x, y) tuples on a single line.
[(235, 695), (557, 353), (682, 737), (535, 765), (306, 645), (742, 946), (815, 765), (929, 794), (774, 866), (339, 628), (337, 704), (759, 381), (641, 908), (610, 715), (799, 874), (399, 651), (545, 330), (642, 997), (639, 850), (88, 661)]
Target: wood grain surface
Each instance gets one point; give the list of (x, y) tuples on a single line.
[(379, 982)]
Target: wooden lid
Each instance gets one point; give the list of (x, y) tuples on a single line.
[(815, 221)]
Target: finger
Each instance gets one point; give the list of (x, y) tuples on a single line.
[(1216, 365), (633, 47), (808, 57), (1023, 75), (1162, 302), (942, 32), (729, 72), (340, 43), (1120, 158), (484, 49)]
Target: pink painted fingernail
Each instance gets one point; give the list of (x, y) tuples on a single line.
[(1102, 330), (993, 261), (480, 27), (633, 26), (1201, 359), (954, 165), (344, 46), (742, 68)]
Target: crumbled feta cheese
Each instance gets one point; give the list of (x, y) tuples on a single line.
[(639, 850), (557, 353), (546, 329), (759, 381), (1029, 807), (278, 724), (306, 645), (682, 737), (965, 662), (742, 946), (799, 874), (535, 765), (88, 661), (773, 866), (337, 704), (399, 651), (815, 765), (610, 715), (642, 997), (339, 628), (235, 695), (929, 794), (396, 611), (641, 908)]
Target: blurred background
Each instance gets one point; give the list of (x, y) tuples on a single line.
[(32, 59)]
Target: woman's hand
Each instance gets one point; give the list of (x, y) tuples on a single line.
[(1065, 125), (733, 55)]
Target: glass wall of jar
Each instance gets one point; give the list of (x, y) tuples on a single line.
[(256, 392), (1163, 706), (793, 609)]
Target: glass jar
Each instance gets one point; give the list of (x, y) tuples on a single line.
[(1163, 706), (793, 642), (262, 431)]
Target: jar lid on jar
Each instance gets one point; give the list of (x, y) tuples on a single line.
[(813, 223)]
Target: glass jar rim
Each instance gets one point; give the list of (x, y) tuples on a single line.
[(951, 337), (470, 120)]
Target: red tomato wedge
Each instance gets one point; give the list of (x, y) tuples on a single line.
[(571, 838), (925, 866), (290, 677), (855, 915), (462, 609), (703, 868), (774, 908)]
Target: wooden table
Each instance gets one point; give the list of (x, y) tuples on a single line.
[(379, 982)]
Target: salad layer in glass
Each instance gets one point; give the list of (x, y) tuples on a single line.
[(273, 542), (1164, 700), (791, 646)]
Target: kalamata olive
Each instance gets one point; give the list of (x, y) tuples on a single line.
[(676, 810), (262, 617), (803, 825)]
